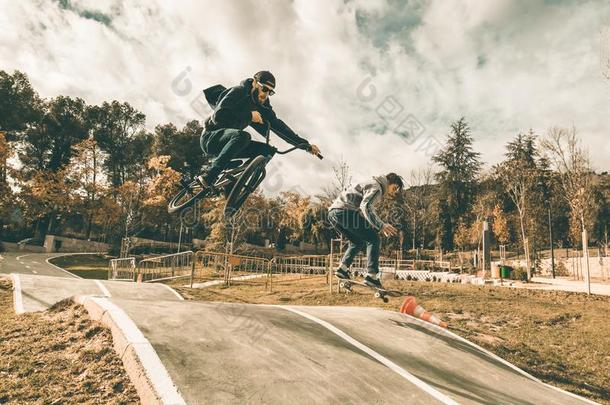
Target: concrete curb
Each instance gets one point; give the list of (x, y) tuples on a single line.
[(59, 268), (147, 373)]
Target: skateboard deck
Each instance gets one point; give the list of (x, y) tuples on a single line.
[(380, 293)]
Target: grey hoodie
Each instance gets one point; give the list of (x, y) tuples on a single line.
[(362, 197)]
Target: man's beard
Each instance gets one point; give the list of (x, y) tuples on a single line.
[(255, 96)]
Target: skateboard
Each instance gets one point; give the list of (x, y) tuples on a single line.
[(380, 293)]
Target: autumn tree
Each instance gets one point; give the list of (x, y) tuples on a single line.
[(86, 171), (500, 226), (6, 194)]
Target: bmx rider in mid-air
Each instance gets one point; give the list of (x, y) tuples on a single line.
[(236, 108)]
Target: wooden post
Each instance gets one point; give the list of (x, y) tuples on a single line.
[(192, 272)]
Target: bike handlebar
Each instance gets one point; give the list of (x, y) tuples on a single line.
[(297, 147)]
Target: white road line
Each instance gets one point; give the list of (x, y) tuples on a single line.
[(19, 257), (383, 360), (17, 298), (59, 268), (28, 267), (174, 291), (441, 331), (34, 271), (103, 288)]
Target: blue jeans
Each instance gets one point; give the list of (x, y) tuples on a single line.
[(359, 232), (227, 144)]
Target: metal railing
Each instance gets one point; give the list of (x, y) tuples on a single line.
[(425, 275), (302, 265), (391, 265), (227, 264), (122, 269), (177, 265)]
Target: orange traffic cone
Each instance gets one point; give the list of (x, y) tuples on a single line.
[(410, 307)]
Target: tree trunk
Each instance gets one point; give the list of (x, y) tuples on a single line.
[(89, 221)]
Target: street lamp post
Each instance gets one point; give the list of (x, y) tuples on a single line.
[(547, 200), (551, 241)]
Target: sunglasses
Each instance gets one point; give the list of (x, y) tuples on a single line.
[(267, 89)]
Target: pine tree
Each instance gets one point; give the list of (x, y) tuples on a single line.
[(460, 166)]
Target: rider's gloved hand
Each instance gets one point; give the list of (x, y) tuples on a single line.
[(313, 149), (256, 117)]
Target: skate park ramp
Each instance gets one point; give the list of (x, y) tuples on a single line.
[(37, 293), (240, 353), (227, 353)]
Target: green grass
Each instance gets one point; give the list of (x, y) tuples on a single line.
[(85, 266)]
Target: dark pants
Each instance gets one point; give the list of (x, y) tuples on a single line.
[(359, 233), (227, 144)]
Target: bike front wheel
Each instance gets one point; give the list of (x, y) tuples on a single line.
[(248, 181), (186, 197)]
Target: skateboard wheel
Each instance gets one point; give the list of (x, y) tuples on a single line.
[(377, 295), (385, 300)]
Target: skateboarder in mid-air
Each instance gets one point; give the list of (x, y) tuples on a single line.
[(353, 215)]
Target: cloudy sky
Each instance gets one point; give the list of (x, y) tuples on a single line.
[(374, 82)]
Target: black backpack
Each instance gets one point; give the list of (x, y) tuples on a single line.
[(212, 94)]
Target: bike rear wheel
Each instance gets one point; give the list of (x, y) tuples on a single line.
[(186, 197), (249, 180)]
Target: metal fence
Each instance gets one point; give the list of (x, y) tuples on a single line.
[(227, 264), (177, 265), (122, 269), (302, 265), (425, 275), (391, 265)]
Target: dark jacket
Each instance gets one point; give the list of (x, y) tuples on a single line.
[(233, 109)]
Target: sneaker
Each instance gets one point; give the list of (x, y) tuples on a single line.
[(372, 281), (342, 273)]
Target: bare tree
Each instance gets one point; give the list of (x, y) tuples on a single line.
[(340, 183), (418, 204), (571, 161)]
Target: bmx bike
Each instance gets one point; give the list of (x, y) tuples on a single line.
[(236, 182)]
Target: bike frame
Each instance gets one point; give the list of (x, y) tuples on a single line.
[(233, 174)]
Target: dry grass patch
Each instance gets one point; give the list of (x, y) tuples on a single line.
[(59, 356)]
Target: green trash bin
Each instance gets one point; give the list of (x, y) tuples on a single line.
[(505, 272)]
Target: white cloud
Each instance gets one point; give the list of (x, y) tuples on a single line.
[(506, 65)]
